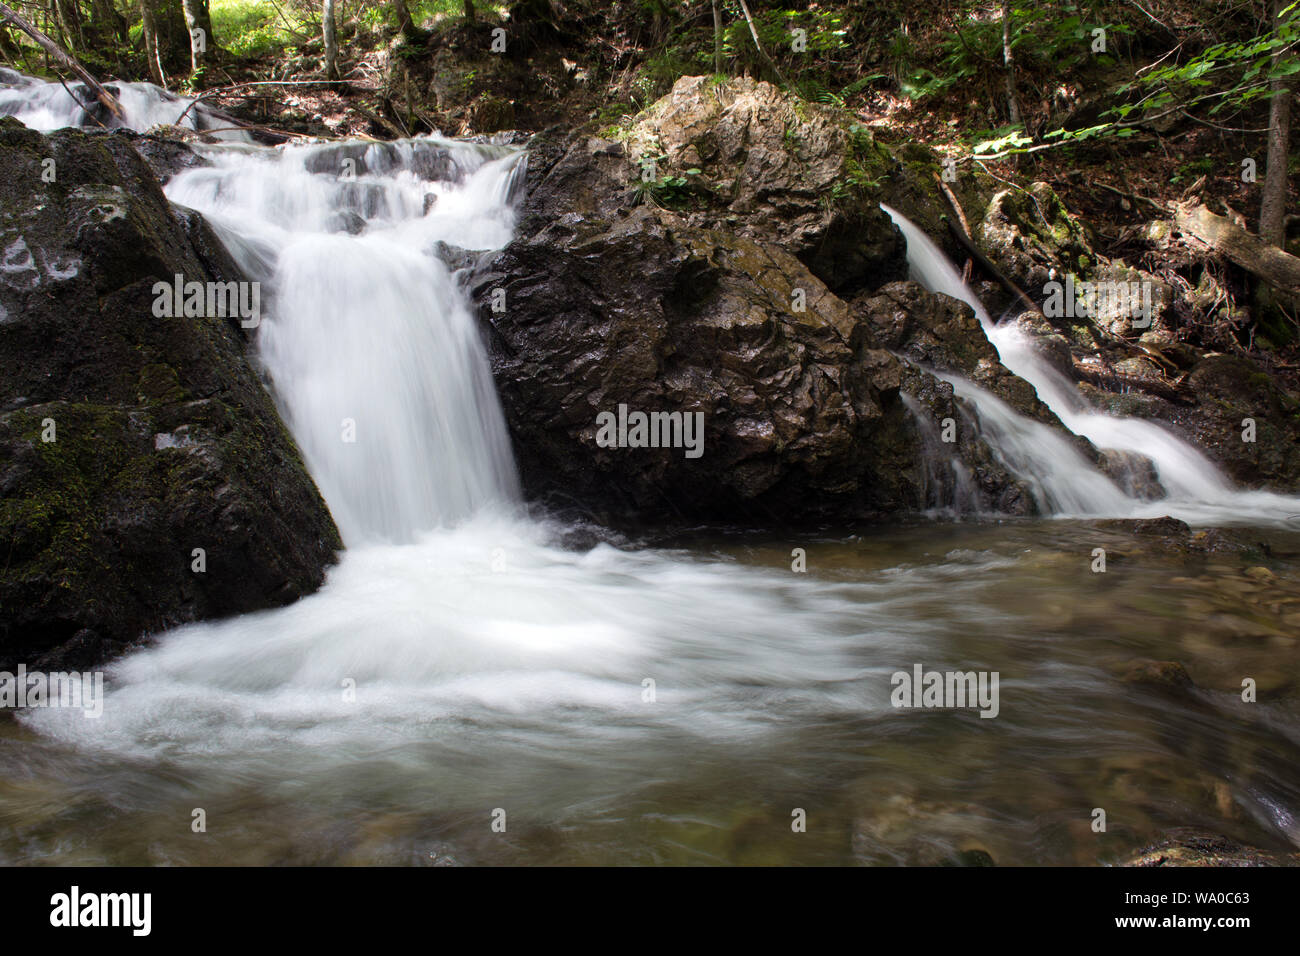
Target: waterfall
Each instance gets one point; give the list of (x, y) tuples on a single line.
[(375, 356), (1197, 490), (44, 105)]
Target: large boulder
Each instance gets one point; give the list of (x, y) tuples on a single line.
[(766, 166), (611, 304), (145, 477)]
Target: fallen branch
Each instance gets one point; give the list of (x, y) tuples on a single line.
[(1268, 263), (962, 235), (239, 86), (766, 60), (63, 56)]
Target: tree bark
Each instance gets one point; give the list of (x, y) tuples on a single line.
[(470, 15), (62, 56), (69, 17), (1272, 209), (107, 22), (404, 22), (149, 34), (330, 39), (198, 19), (1009, 65), (8, 48), (1267, 262)]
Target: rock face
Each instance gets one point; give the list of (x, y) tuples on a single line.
[(763, 166), (128, 441), (612, 303)]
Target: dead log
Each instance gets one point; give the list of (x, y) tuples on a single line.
[(1268, 263)]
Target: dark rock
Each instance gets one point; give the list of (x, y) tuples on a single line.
[(1135, 474), (1170, 674), (165, 439), (455, 257), (1222, 392), (609, 304)]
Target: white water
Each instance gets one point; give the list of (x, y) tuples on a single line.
[(49, 105), (376, 359), (1197, 490)]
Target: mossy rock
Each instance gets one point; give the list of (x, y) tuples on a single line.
[(129, 440)]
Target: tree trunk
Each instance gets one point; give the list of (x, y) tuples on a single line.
[(763, 58), (53, 49), (1009, 64), (331, 41), (1277, 268), (1272, 210), (470, 15), (717, 38), (404, 22), (8, 48), (198, 24), (69, 17), (107, 22), (149, 34)]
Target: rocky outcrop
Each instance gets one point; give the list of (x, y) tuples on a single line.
[(765, 166), (610, 303), (145, 477)]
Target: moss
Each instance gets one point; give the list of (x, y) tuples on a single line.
[(160, 383)]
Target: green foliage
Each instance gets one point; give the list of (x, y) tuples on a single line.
[(1233, 74), (826, 31), (661, 70), (666, 190), (247, 27), (1050, 37)]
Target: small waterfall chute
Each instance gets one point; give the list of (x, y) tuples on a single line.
[(1197, 490)]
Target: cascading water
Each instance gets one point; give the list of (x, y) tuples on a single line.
[(621, 705), (44, 105), (372, 348), (1198, 492)]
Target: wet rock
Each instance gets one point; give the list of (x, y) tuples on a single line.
[(1170, 674), (939, 332), (1188, 847), (127, 440), (1033, 238), (610, 303), (1135, 474), (346, 221), (455, 257)]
